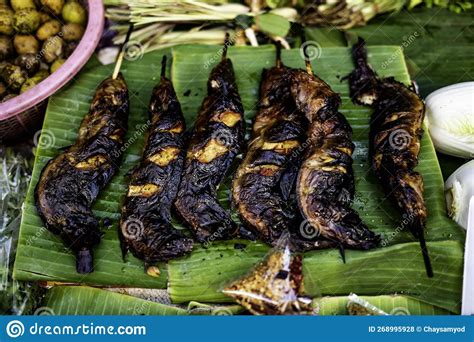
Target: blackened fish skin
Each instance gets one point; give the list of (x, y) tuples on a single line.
[(216, 139), (278, 132), (395, 137), (145, 225), (70, 183), (325, 184)]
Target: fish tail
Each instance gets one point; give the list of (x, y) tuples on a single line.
[(363, 79), (84, 261), (359, 53)]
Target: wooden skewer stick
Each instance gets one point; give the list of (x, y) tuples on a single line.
[(118, 62), (226, 45), (278, 62), (307, 59), (163, 67)]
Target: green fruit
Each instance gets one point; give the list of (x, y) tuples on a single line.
[(48, 29), (6, 20), (44, 17), (13, 76), (52, 49), (72, 32), (26, 21), (6, 47), (25, 44), (57, 64), (73, 12), (55, 6), (22, 4), (33, 81)]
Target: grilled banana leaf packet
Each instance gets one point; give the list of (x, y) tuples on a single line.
[(395, 140), (145, 225), (70, 182), (275, 285), (216, 139)]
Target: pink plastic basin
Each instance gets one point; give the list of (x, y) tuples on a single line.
[(20, 116)]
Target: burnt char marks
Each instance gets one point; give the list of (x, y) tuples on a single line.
[(145, 227), (265, 179), (395, 136), (70, 183), (325, 185), (216, 139)]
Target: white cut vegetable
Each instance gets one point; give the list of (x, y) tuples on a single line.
[(450, 119), (459, 189)]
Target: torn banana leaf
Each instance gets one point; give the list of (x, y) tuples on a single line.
[(83, 300), (392, 305)]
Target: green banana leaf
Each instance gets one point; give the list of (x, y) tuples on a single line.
[(41, 255), (437, 44), (84, 300), (393, 305), (440, 55), (395, 268)]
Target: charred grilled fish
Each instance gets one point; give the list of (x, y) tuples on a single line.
[(278, 131), (395, 134), (70, 183), (216, 139), (266, 178), (325, 184), (145, 226)]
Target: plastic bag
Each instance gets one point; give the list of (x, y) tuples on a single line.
[(274, 286), (357, 306)]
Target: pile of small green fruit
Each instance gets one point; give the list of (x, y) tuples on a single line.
[(36, 37)]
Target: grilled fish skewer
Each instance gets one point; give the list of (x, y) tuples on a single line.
[(325, 185), (395, 134), (278, 130), (216, 139), (145, 226), (69, 183), (266, 177)]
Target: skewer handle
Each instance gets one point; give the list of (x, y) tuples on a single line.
[(121, 54), (307, 59), (226, 45), (163, 67), (278, 54)]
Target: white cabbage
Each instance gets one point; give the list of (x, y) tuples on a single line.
[(459, 189), (450, 119)]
